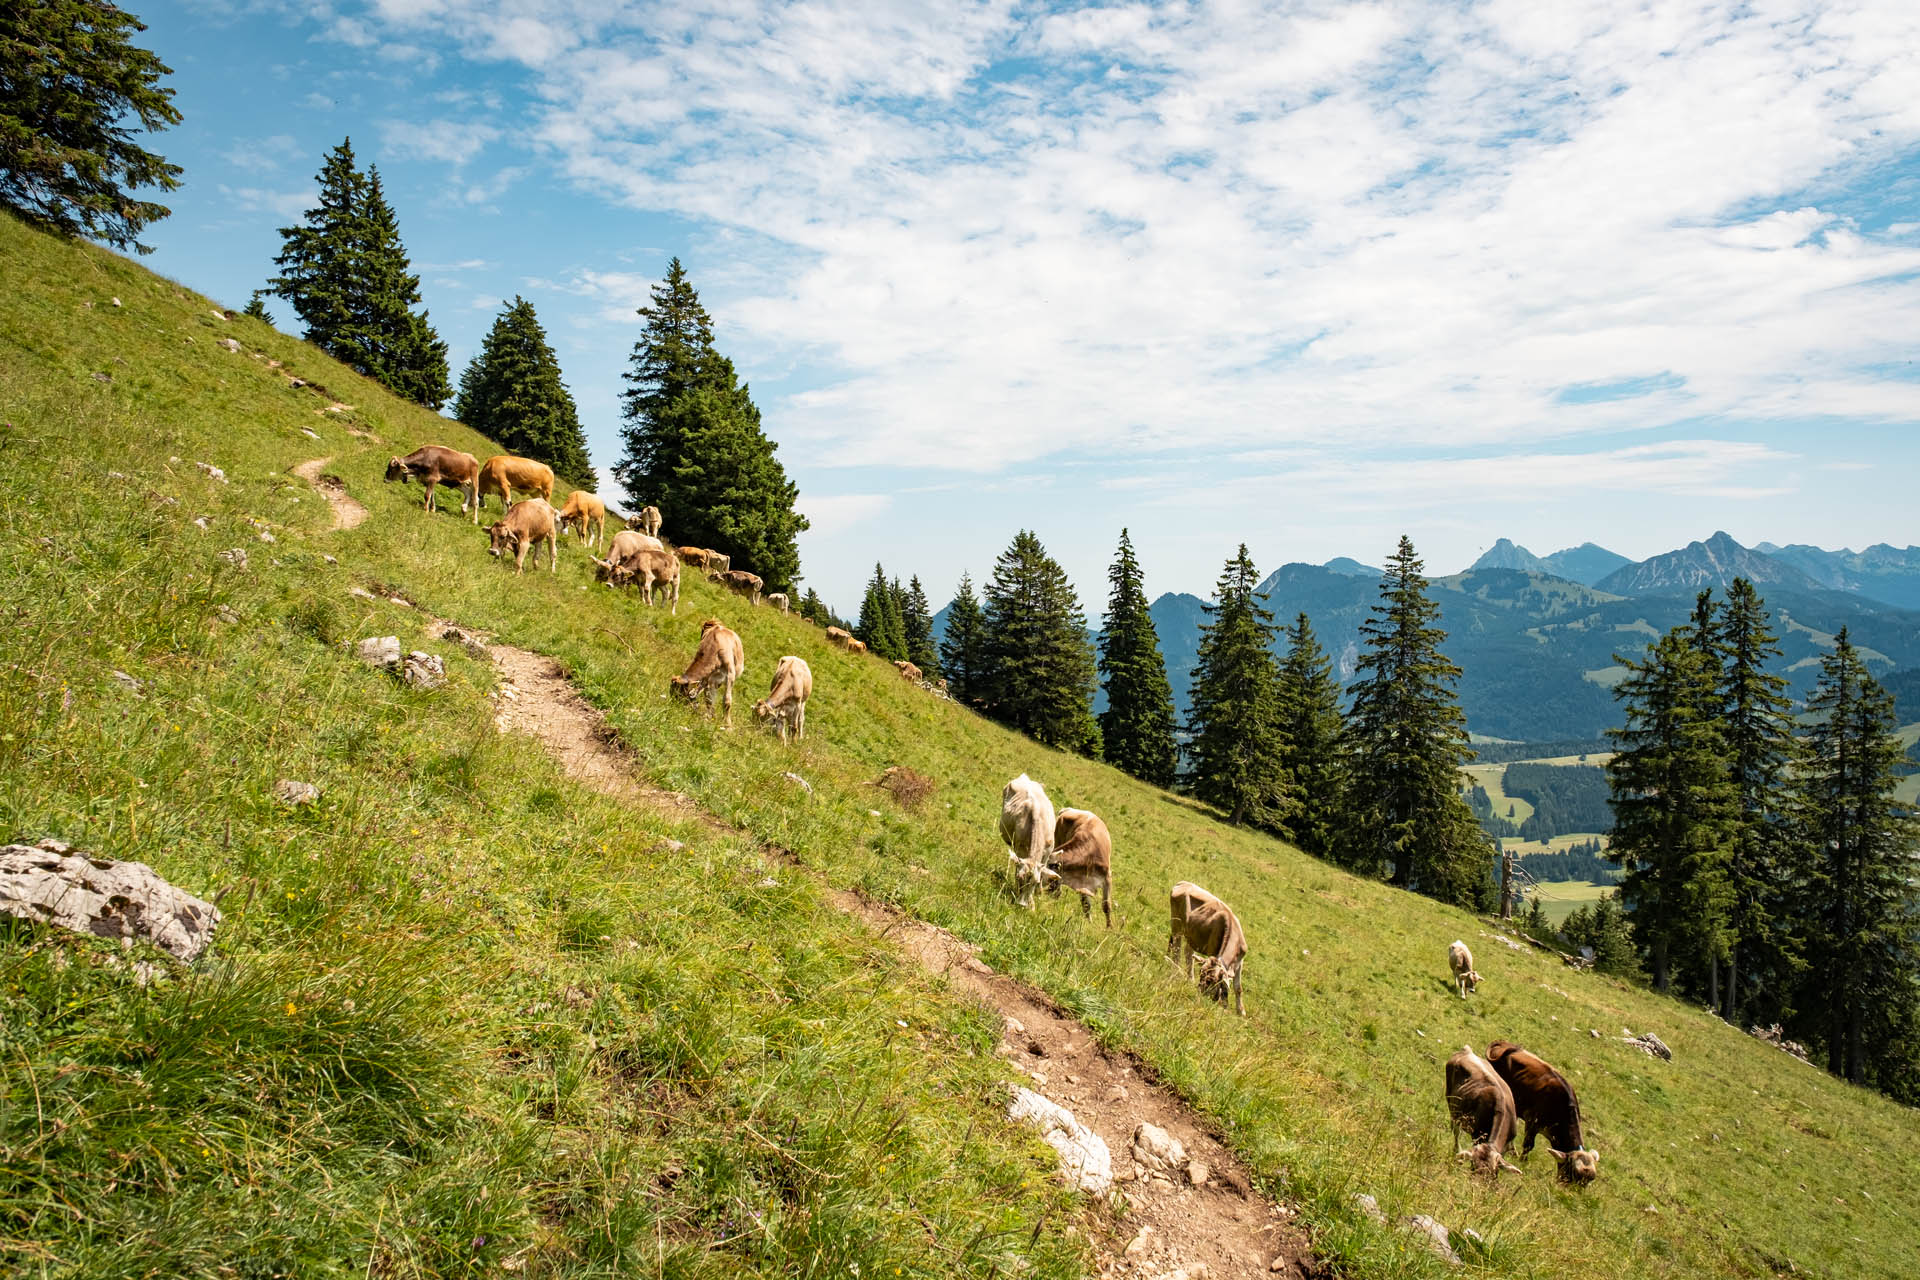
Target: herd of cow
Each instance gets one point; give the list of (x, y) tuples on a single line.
[(1486, 1097)]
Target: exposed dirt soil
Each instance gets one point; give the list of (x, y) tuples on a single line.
[(1216, 1230), (346, 512)]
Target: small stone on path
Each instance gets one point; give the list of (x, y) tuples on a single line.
[(289, 792), (424, 670)]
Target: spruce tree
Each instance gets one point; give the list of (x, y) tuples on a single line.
[(963, 647), (1234, 706), (1136, 729), (1312, 737), (1402, 813), (694, 446), (881, 627), (1864, 954), (1038, 674), (512, 393), (257, 307), (918, 619), (70, 76), (347, 277), (1672, 807)]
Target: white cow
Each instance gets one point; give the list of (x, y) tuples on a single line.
[(1026, 827)]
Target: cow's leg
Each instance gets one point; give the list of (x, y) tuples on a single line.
[(729, 695), (800, 722), (520, 556), (427, 505), (553, 552), (1527, 1150), (1106, 899), (1238, 1006)]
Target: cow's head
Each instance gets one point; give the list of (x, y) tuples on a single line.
[(397, 469), (499, 538), (763, 710), (1580, 1165), (686, 688), (1029, 876), (1214, 978), (1485, 1159)]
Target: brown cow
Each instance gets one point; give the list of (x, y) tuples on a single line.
[(647, 522), (625, 545), (840, 636), (433, 465), (696, 557), (651, 569), (527, 524), (786, 701), (1208, 928), (1543, 1098), (856, 646), (503, 473), (1480, 1105), (586, 512), (747, 584), (907, 669), (717, 663), (1082, 860), (1026, 827)]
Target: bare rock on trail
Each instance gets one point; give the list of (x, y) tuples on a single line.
[(424, 670), (48, 884), (1158, 1150), (1084, 1157)]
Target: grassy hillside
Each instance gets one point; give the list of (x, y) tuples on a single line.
[(457, 875)]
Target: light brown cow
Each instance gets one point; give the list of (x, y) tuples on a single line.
[(1206, 927), (1082, 860), (1026, 827), (647, 522), (696, 557), (786, 701), (1545, 1101), (652, 569), (907, 669), (503, 473), (625, 546), (856, 646), (840, 636), (747, 584), (586, 515), (778, 599), (433, 465), (717, 663), (527, 524), (1480, 1105), (1460, 960)]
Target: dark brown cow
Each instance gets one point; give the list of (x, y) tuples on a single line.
[(747, 584), (1480, 1105), (433, 465), (1543, 1098)]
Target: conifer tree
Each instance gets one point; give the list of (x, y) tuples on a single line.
[(1234, 706), (512, 392), (1038, 674), (1672, 806), (963, 647), (347, 277), (257, 307), (917, 616), (881, 627), (694, 446), (1864, 955), (1403, 814), (70, 76), (814, 609), (1136, 729), (1604, 928), (1312, 737)]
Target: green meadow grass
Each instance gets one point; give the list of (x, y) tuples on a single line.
[(1493, 778), (1561, 898), (1734, 1159)]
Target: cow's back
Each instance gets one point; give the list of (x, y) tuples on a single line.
[(1541, 1095), (792, 681), (1026, 817), (1081, 840)]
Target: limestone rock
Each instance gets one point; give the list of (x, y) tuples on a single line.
[(126, 681), (235, 556), (798, 781), (467, 640), (1084, 1157), (1369, 1206), (212, 472), (289, 792), (1157, 1149), (1435, 1236), (424, 670), (379, 651), (228, 344), (1649, 1044), (49, 884), (1198, 1173)]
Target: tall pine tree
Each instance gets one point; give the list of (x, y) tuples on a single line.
[(347, 276), (694, 446), (1672, 807), (1312, 737), (1038, 673), (1402, 813), (1136, 729), (963, 646), (1234, 712), (881, 627), (1864, 959), (512, 392), (917, 615)]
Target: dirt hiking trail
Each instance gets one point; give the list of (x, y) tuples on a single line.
[(1194, 1217), (347, 513)]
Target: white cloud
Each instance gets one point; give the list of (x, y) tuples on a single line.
[(261, 155), (283, 204), (454, 141), (834, 513)]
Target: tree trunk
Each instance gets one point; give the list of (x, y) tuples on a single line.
[(1732, 1014), (1660, 965), (1713, 983), (1506, 883)]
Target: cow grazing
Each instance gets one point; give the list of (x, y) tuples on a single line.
[(720, 560), (647, 522), (625, 546), (1082, 860), (747, 584), (786, 701), (1026, 827), (434, 465), (1480, 1105), (696, 557), (586, 515), (778, 599), (856, 646), (526, 524), (503, 474), (907, 669), (1543, 1098), (651, 569), (840, 636), (1461, 961), (717, 663), (1206, 927)]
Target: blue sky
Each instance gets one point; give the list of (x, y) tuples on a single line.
[(1302, 275)]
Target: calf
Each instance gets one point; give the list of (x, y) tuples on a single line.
[(527, 524), (1543, 1098), (586, 515), (1480, 1105), (786, 701), (647, 522), (1082, 860), (1461, 961), (1206, 927), (651, 568), (433, 465), (625, 546), (1026, 827), (503, 473), (747, 584), (840, 636), (778, 599), (856, 646), (907, 669), (717, 663)]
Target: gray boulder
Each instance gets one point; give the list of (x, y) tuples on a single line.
[(49, 884)]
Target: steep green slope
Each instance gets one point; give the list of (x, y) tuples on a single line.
[(1732, 1159)]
